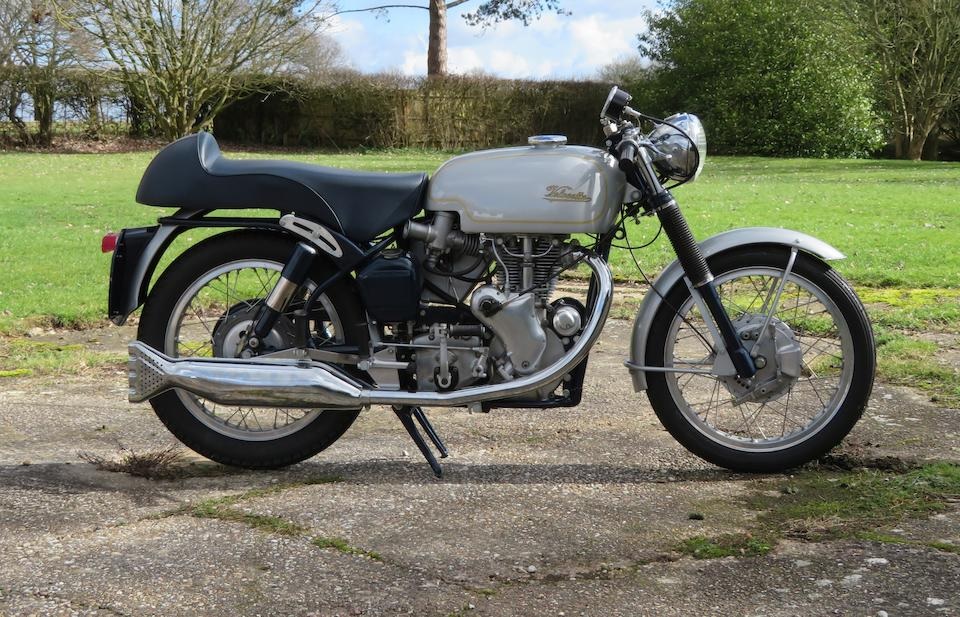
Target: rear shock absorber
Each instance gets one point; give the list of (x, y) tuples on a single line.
[(291, 278)]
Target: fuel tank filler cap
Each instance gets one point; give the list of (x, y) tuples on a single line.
[(547, 141)]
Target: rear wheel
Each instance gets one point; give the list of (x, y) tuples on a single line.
[(201, 306), (815, 361)]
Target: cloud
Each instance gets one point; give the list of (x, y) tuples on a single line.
[(345, 30), (548, 23), (500, 62), (414, 62), (602, 40), (464, 59)]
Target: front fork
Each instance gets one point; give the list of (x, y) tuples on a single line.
[(701, 279), (694, 265)]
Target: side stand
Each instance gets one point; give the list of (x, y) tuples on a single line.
[(407, 415)]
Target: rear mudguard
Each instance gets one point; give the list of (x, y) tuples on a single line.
[(139, 251), (714, 245), (134, 261)]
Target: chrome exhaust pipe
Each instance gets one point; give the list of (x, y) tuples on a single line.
[(285, 383), (263, 383)]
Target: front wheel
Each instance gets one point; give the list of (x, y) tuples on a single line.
[(815, 360)]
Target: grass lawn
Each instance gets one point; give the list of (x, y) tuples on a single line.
[(898, 222)]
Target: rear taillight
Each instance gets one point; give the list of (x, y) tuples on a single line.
[(109, 242)]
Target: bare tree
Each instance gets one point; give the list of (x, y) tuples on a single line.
[(183, 61), (47, 48), (624, 70), (487, 13), (317, 58), (13, 19), (35, 50), (917, 44), (13, 24)]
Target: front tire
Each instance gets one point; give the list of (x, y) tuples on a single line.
[(199, 307), (819, 362)]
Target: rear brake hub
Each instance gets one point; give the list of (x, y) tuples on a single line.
[(229, 333)]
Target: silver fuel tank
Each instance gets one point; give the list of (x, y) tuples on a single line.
[(549, 188)]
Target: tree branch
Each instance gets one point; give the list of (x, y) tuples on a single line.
[(385, 7)]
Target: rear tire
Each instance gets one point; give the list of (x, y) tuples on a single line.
[(186, 315), (812, 412)]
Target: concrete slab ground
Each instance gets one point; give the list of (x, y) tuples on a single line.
[(558, 512)]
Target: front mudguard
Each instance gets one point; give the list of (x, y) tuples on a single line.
[(714, 245)]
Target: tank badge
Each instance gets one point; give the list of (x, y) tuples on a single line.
[(565, 193)]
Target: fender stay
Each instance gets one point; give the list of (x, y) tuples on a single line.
[(139, 251), (713, 245)]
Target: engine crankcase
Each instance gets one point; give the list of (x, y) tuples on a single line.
[(464, 357), (515, 323)]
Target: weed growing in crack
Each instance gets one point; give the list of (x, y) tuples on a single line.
[(888, 538), (736, 545), (222, 508), (828, 505), (162, 464), (343, 546), (263, 522)]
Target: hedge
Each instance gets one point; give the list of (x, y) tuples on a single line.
[(361, 111), (450, 113)]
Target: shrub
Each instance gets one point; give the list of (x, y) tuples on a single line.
[(767, 77)]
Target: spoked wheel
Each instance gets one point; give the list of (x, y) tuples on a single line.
[(202, 306), (813, 348)]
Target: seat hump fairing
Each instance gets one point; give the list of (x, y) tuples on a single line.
[(192, 173)]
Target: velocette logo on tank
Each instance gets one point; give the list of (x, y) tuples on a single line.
[(565, 193)]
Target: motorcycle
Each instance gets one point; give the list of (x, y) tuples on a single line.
[(259, 346)]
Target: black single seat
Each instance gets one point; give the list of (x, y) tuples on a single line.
[(191, 173)]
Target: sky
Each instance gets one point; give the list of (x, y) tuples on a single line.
[(571, 46)]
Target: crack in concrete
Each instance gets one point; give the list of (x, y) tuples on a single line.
[(304, 532)]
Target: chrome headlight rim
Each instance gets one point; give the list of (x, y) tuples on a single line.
[(682, 137)]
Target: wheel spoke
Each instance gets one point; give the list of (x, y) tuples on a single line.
[(784, 412), (207, 319)]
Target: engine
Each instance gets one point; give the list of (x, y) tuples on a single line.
[(525, 263), (512, 328)]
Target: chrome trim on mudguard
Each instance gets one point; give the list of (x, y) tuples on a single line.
[(282, 383), (711, 246)]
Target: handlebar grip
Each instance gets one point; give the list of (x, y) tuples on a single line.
[(626, 153)]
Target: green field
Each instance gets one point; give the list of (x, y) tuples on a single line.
[(898, 222)]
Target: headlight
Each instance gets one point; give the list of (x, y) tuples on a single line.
[(684, 162)]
